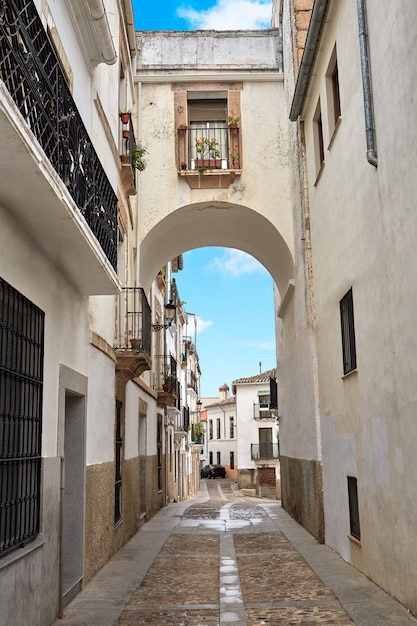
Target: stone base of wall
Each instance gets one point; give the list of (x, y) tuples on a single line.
[(262, 481), (302, 493)]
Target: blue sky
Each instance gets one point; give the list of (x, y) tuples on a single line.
[(229, 292), (231, 295), (202, 14)]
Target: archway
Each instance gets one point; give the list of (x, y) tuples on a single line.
[(216, 224)]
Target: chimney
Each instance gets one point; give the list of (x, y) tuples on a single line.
[(224, 392)]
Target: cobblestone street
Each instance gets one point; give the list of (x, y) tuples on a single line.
[(229, 559)]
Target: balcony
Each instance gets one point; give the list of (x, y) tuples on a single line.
[(166, 383), (264, 451), (264, 411), (127, 142), (209, 159), (133, 338), (52, 180)]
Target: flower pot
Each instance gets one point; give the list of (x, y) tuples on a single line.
[(125, 158), (213, 164), (167, 387), (181, 129), (126, 134), (183, 166), (136, 343), (125, 117)]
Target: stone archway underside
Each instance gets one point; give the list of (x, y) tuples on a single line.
[(216, 224)]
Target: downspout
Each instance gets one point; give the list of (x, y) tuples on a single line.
[(371, 154), (99, 17)]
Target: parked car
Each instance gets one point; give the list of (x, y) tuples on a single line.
[(212, 471)]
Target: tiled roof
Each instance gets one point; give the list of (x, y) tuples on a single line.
[(231, 400), (263, 377)]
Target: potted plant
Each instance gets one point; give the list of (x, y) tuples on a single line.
[(136, 343), (198, 432), (208, 153), (138, 154), (125, 116), (183, 165), (234, 157), (233, 120)]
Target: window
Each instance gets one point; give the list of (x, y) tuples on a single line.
[(232, 460), (318, 139), (348, 333), (211, 429), (211, 458), (219, 458), (232, 427), (355, 529), (159, 450), (118, 463), (333, 93), (218, 424), (21, 385), (208, 131)]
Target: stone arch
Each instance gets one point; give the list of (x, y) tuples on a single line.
[(216, 224)]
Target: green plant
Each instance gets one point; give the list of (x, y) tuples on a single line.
[(198, 431), (207, 148), (233, 119), (138, 154), (234, 155)]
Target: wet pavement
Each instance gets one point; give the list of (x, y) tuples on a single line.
[(227, 559)]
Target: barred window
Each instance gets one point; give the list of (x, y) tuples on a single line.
[(355, 529), (348, 332), (21, 394), (118, 464)]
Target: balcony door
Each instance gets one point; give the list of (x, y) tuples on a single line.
[(208, 131), (265, 443)]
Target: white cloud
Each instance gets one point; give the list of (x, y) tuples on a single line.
[(202, 324), (229, 15), (236, 263)]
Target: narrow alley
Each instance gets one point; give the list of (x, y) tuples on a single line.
[(223, 559)]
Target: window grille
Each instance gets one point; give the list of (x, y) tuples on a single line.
[(355, 529), (21, 395), (118, 458), (348, 332)]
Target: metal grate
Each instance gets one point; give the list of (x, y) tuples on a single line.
[(355, 529), (32, 74), (21, 388)]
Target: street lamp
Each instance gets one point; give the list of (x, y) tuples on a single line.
[(170, 309)]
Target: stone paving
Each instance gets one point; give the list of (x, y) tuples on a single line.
[(226, 559), (265, 581)]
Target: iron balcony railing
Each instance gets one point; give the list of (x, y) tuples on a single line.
[(32, 74), (264, 410), (212, 148), (133, 330), (264, 451)]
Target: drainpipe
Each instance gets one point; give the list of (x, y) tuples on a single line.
[(366, 84), (99, 17)]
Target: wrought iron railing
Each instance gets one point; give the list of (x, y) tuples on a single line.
[(214, 148), (133, 320), (264, 451), (264, 410), (32, 74)]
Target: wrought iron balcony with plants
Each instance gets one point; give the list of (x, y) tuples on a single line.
[(32, 74), (132, 155), (264, 451), (204, 151), (165, 382), (133, 333)]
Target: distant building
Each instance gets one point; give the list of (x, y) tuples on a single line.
[(222, 432), (257, 433)]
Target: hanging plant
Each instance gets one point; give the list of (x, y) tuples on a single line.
[(138, 154)]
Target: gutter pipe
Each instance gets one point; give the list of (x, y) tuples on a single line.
[(99, 17), (371, 154), (316, 22)]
